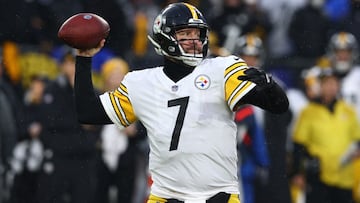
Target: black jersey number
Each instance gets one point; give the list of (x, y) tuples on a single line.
[(183, 103)]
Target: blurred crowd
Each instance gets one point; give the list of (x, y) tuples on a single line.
[(309, 154)]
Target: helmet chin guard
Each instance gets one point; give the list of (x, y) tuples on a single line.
[(175, 17)]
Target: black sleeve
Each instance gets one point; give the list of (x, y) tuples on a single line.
[(298, 155), (271, 98), (88, 104)]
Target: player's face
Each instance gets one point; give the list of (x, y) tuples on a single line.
[(343, 55), (189, 39)]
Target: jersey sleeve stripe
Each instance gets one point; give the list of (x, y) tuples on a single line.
[(117, 110), (235, 73), (106, 102), (231, 81), (235, 89), (234, 66), (239, 93), (125, 104), (123, 88)]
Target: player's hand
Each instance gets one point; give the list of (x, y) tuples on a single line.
[(91, 52), (256, 76)]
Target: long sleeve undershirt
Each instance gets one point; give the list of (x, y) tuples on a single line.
[(88, 104)]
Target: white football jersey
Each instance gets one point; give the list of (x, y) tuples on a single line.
[(350, 88), (192, 134)]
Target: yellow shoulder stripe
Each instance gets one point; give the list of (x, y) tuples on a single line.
[(234, 66), (123, 88), (238, 92), (122, 105), (117, 110), (235, 89)]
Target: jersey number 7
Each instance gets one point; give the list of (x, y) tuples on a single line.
[(183, 103)]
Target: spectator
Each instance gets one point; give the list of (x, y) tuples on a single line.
[(280, 13), (68, 171), (325, 130), (117, 165), (10, 111), (28, 152), (309, 30), (308, 89), (237, 18)]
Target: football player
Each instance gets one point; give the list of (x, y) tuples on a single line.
[(343, 53), (250, 48), (186, 105)]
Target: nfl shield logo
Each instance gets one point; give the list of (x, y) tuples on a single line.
[(174, 88)]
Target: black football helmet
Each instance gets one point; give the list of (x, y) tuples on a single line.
[(343, 41), (250, 45), (175, 17)]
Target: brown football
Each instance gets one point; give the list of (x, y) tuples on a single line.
[(84, 30)]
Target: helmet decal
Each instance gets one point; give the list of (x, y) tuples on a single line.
[(157, 24)]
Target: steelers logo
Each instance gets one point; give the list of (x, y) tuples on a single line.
[(202, 82), (157, 24)]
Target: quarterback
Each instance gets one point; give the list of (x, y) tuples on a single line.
[(187, 107)]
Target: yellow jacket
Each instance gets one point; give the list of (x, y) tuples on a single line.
[(328, 135)]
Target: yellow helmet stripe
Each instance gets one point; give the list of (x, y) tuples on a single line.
[(342, 38), (192, 10), (250, 41)]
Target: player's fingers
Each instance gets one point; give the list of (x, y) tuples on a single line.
[(91, 52), (102, 43), (252, 71), (243, 77)]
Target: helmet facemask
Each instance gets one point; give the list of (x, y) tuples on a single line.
[(193, 59)]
